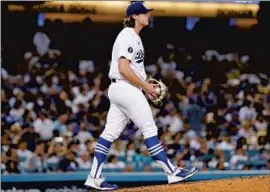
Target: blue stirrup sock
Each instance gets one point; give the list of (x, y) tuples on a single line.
[(101, 151), (157, 152)]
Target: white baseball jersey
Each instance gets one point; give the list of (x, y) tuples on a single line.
[(129, 45)]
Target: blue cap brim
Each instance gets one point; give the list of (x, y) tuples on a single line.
[(145, 11)]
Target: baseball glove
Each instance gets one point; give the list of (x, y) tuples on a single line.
[(161, 90)]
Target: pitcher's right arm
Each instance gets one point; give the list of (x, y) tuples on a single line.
[(130, 75)]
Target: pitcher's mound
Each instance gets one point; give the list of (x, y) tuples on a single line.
[(242, 184)]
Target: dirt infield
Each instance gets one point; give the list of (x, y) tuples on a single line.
[(243, 184)]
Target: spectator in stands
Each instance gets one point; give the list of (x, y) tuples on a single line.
[(241, 143), (195, 116), (145, 159), (5, 143), (233, 124), (84, 161), (44, 126), (12, 167), (176, 123), (212, 129), (117, 148), (84, 134), (60, 124), (259, 105), (23, 153), (203, 149), (56, 150), (130, 151), (82, 96), (62, 102), (174, 145), (74, 146), (226, 144), (261, 125), (247, 112), (12, 164), (246, 130), (90, 147), (114, 163), (18, 110), (184, 153), (68, 163), (36, 162), (4, 160), (30, 136), (239, 156)]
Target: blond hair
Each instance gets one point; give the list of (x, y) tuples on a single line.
[(129, 22)]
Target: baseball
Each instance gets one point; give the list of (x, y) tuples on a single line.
[(158, 90)]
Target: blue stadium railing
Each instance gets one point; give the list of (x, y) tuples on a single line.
[(125, 177)]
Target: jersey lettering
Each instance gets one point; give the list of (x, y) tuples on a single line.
[(139, 56)]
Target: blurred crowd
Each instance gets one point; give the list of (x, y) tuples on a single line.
[(216, 114)]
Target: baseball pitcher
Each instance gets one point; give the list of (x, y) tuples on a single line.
[(128, 101)]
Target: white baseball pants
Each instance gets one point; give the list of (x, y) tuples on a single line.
[(128, 102)]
